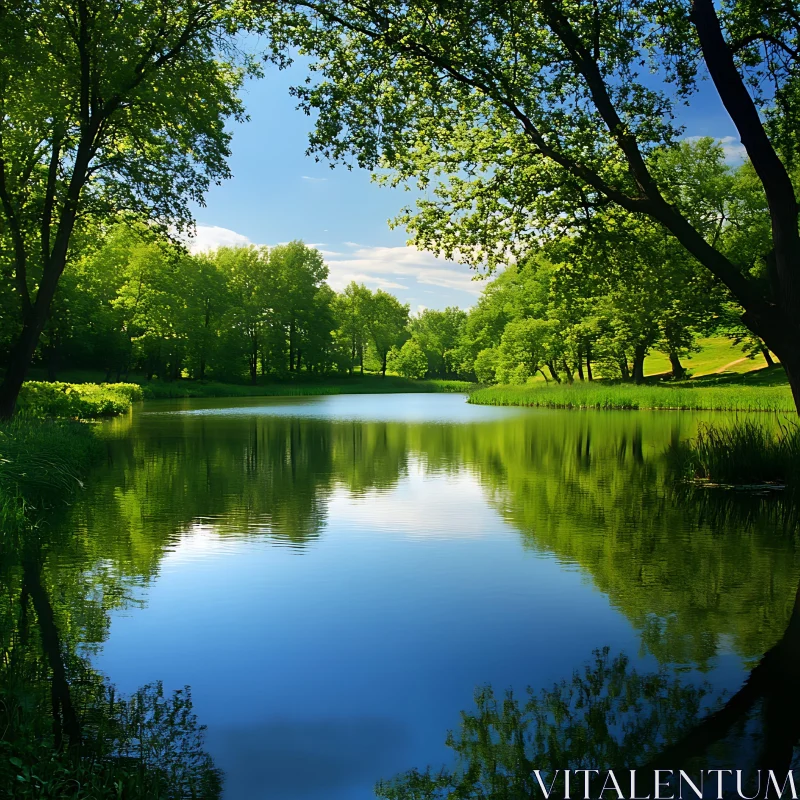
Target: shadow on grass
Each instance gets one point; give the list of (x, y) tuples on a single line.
[(767, 376)]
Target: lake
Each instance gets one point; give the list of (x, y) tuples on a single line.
[(334, 576)]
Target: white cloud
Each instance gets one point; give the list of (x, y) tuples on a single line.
[(313, 180), (734, 150), (370, 265), (210, 237)]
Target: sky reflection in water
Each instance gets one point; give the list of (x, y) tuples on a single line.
[(334, 576)]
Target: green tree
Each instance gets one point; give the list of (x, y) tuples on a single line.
[(438, 334), (529, 116), (296, 275), (104, 107), (408, 360), (206, 302), (485, 365), (387, 323), (246, 271), (352, 315), (526, 347)]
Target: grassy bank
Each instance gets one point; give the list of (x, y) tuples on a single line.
[(689, 395), (42, 466), (45, 451), (368, 384)]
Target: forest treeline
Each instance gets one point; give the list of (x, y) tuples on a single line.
[(591, 303), (113, 109)]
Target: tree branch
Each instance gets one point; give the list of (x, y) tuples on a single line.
[(49, 198)]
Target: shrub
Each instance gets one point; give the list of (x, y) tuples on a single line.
[(77, 400), (486, 365), (409, 361)]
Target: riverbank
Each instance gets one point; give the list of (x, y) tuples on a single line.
[(47, 449), (42, 465), (767, 390)]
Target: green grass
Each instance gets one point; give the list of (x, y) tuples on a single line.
[(688, 395), (42, 465), (368, 384), (76, 400), (743, 453), (717, 355)]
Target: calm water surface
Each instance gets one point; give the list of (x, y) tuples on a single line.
[(333, 576)]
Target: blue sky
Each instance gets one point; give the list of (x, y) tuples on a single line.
[(278, 194)]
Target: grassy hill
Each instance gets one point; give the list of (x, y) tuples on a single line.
[(717, 355)]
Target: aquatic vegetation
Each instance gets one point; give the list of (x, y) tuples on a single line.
[(608, 396), (745, 452), (77, 400)]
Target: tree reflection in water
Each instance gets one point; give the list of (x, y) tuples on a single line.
[(65, 731), (611, 717)]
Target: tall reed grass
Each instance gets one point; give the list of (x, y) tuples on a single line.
[(601, 395), (745, 452), (42, 464)]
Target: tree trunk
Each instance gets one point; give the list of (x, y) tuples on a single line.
[(767, 356), (383, 362), (589, 375), (623, 368), (568, 371), (35, 315), (253, 359), (789, 357), (638, 363), (579, 365), (553, 372), (291, 346), (21, 353), (678, 372), (773, 317)]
